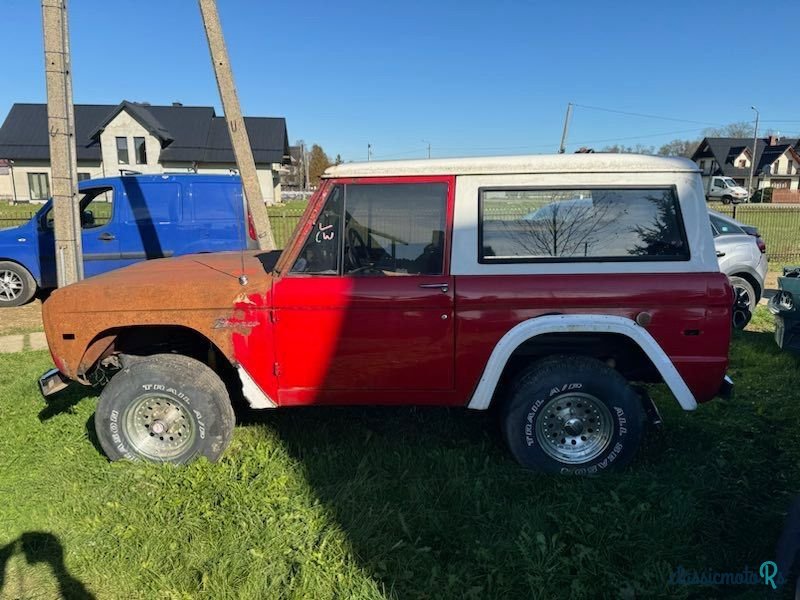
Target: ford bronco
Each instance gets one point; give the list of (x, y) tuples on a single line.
[(547, 287)]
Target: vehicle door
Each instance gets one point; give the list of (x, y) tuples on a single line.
[(152, 213), (367, 304), (213, 218), (99, 241)]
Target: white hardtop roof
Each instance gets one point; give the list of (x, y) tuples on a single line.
[(543, 163)]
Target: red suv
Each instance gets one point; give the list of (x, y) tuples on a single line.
[(546, 286)]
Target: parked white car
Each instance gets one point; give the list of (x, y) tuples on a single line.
[(742, 256)]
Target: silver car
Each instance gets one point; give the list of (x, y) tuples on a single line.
[(742, 256)]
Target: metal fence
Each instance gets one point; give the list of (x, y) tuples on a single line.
[(778, 224)]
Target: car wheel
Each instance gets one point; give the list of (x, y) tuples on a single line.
[(164, 408), (726, 199), (745, 301), (17, 285), (572, 415)]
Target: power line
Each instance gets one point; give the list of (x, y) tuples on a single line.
[(646, 116)]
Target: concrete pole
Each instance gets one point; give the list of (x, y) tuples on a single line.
[(567, 118), (233, 115), (61, 125), (753, 158)]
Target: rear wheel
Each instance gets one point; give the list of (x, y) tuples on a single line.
[(745, 301), (164, 408), (572, 415), (17, 285)]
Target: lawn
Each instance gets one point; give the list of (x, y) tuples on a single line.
[(395, 503)]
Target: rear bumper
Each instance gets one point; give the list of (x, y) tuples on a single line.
[(726, 389), (51, 382)]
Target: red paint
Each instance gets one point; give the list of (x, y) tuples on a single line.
[(385, 340)]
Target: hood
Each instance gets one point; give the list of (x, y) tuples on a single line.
[(191, 282), (12, 235)]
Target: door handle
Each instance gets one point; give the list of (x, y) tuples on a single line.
[(720, 254), (106, 237), (442, 286)]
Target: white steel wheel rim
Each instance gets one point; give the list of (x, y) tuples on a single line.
[(10, 285), (574, 428)]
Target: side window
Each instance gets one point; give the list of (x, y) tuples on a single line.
[(724, 227), (529, 225), (322, 251), (718, 183), (395, 229), (97, 208)]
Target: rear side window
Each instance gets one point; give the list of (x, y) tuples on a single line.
[(723, 227), (580, 225), (217, 201), (157, 202)]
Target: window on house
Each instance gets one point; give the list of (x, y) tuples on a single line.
[(789, 166), (84, 176), (557, 225), (141, 150), (39, 186), (703, 166), (122, 150), (742, 163)]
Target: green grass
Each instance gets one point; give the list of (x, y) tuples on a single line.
[(395, 503)]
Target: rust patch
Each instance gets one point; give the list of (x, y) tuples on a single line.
[(198, 293)]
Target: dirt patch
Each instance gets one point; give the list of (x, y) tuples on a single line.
[(21, 319)]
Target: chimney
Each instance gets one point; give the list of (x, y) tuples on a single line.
[(772, 140), (177, 104)]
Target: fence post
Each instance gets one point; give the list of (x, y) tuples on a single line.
[(734, 211)]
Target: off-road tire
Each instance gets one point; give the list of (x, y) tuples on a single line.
[(22, 277), (569, 394), (164, 408)]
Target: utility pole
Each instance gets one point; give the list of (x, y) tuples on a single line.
[(567, 118), (369, 152), (305, 167), (61, 127), (236, 128), (429, 147), (753, 157)]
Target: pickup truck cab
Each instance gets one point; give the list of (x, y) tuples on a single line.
[(423, 283), (125, 220)]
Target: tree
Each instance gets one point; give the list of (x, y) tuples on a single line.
[(622, 149), (338, 160), (683, 148), (318, 161), (740, 129)]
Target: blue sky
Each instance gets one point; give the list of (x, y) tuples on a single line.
[(469, 77)]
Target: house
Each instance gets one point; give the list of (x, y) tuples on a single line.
[(293, 176), (135, 137), (777, 161)]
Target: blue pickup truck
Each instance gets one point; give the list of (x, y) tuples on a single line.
[(125, 220)]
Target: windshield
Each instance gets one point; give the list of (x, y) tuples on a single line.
[(730, 182)]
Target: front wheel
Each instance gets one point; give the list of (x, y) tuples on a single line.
[(164, 408), (572, 415), (17, 285), (726, 199)]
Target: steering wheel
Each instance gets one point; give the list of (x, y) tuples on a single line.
[(354, 239)]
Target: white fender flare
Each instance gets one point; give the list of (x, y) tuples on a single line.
[(526, 330)]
